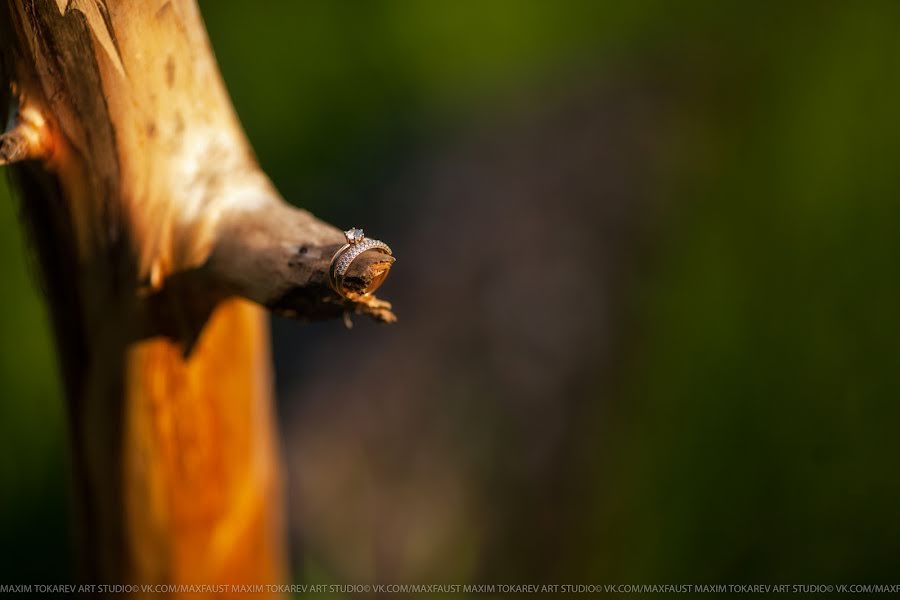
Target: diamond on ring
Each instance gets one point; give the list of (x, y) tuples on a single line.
[(354, 235)]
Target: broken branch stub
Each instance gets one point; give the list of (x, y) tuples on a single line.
[(279, 256)]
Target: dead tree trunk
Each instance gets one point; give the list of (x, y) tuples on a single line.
[(158, 238)]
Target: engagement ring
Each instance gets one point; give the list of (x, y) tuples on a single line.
[(357, 243)]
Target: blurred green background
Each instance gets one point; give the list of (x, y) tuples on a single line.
[(741, 425)]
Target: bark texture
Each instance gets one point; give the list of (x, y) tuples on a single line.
[(154, 229)]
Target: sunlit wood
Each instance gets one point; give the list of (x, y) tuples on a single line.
[(160, 242)]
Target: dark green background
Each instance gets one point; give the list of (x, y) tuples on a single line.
[(759, 438)]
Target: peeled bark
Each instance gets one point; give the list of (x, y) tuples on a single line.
[(159, 242)]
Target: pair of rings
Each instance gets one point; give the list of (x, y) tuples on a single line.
[(357, 243)]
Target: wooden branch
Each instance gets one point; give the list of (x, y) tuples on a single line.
[(217, 197), (152, 222), (279, 256)]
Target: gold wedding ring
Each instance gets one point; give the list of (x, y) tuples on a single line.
[(357, 243)]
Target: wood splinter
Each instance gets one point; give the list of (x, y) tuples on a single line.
[(27, 140)]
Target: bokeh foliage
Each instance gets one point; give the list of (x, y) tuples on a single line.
[(756, 436)]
